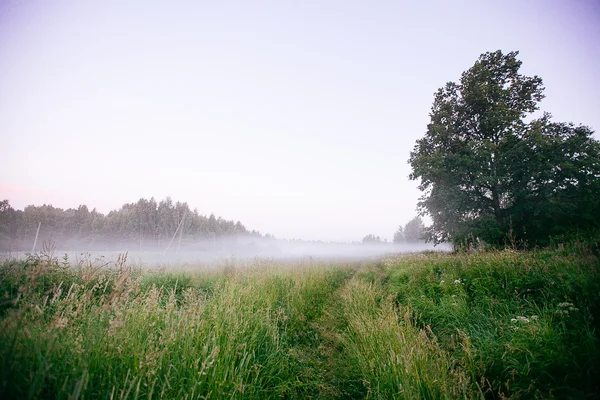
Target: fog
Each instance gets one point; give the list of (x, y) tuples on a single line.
[(205, 253)]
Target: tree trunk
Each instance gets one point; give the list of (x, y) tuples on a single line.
[(496, 204)]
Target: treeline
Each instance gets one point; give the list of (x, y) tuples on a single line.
[(412, 232), (145, 224)]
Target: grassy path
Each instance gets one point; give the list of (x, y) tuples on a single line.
[(334, 375), (369, 348)]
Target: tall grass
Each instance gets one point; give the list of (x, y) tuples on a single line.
[(494, 325), (531, 319), (395, 358), (121, 333)]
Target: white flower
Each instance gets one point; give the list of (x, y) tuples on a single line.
[(534, 317), (442, 281), (520, 318), (566, 308), (457, 282)]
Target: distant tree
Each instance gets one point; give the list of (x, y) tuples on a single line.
[(413, 230), (8, 222), (212, 223), (486, 172), (240, 229), (371, 239), (399, 235), (97, 223)]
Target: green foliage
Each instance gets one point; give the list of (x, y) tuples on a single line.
[(399, 235), (412, 232), (486, 172), (394, 357), (496, 325), (530, 320), (89, 332)]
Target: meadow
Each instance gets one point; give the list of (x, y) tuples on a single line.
[(494, 325)]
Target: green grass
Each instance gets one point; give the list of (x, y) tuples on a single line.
[(531, 320), (434, 326)]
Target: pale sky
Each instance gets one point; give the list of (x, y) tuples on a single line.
[(296, 118)]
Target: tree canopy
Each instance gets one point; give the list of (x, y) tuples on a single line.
[(370, 239), (489, 170), (145, 224), (412, 232)]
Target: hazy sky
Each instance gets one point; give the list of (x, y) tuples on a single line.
[(296, 118)]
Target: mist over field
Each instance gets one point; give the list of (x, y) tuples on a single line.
[(154, 232), (238, 249)]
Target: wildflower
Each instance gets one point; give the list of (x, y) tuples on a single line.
[(534, 317), (458, 282), (442, 281), (520, 318), (566, 306)]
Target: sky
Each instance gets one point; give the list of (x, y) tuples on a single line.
[(296, 118)]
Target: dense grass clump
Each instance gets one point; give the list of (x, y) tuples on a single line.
[(395, 358), (495, 325), (527, 323)]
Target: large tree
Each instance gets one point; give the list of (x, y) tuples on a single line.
[(487, 172)]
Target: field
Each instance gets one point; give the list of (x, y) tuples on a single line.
[(485, 325)]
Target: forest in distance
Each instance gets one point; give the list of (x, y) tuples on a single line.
[(149, 227), (146, 224)]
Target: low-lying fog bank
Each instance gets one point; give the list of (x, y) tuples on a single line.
[(240, 250)]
